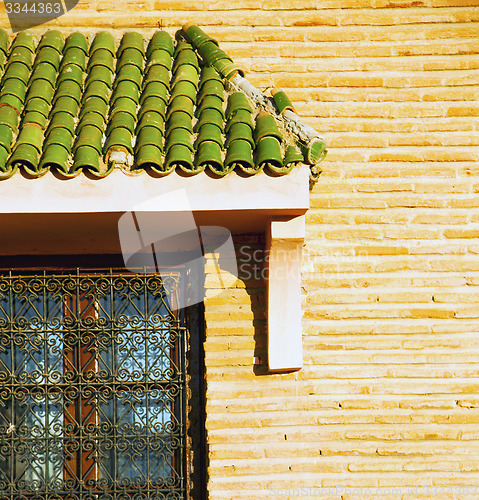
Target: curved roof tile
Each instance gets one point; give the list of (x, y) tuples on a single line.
[(157, 104)]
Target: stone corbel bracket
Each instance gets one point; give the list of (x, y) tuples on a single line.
[(285, 239)]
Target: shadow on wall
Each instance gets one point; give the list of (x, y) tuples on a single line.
[(252, 267), (197, 449)]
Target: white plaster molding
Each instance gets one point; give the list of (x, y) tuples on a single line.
[(285, 245), (119, 192)]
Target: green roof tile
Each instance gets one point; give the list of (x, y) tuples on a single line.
[(65, 121), (184, 88), (149, 135), (55, 156), (91, 136), (212, 88), (211, 102), (187, 73), (103, 40), (25, 155), (186, 57), (240, 154), (94, 104), (101, 57), (266, 126), (317, 152), (31, 134), (160, 57), (35, 117), (129, 73), (100, 73), (58, 136), (157, 74), (73, 55), (241, 131), (131, 57), (39, 105), (125, 89), (209, 154), (119, 139), (51, 56), (160, 40), (66, 104), (227, 68), (236, 101), (151, 119), (53, 39), (76, 40), (45, 72), (292, 156), (154, 89), (127, 105), (42, 90), (70, 88), (180, 120), (153, 104), (181, 45), (24, 39), (180, 155), (4, 41), (95, 119), (282, 101), (22, 55), (15, 87), (6, 137), (210, 115), (87, 157), (197, 35), (6, 170), (13, 101), (210, 51), (209, 132), (132, 40), (179, 136), (149, 156), (209, 73), (71, 72), (121, 119), (97, 88), (240, 116), (158, 99), (17, 70), (181, 103), (268, 151)]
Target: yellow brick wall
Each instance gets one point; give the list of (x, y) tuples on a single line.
[(389, 395)]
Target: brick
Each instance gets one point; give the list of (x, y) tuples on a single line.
[(458, 296), (300, 49), (461, 233)]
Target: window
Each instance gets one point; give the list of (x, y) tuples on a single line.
[(92, 386)]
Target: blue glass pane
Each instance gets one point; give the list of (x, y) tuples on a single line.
[(31, 353), (140, 349)]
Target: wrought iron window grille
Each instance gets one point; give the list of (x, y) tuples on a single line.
[(92, 386)]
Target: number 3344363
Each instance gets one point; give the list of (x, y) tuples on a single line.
[(33, 8)]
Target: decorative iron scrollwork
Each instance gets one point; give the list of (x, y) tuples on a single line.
[(92, 387)]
